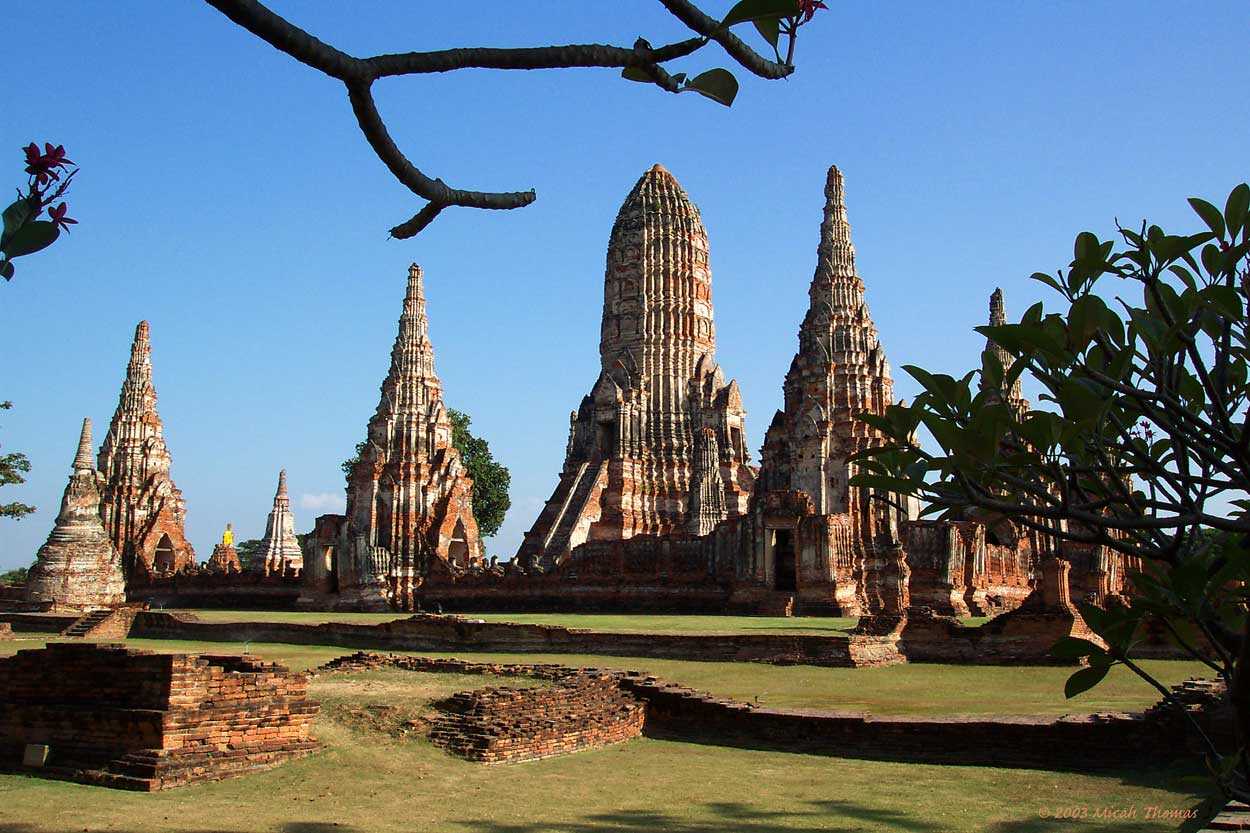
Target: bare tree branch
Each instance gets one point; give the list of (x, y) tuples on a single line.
[(359, 74)]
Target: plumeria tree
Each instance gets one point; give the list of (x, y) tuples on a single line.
[(49, 175), (776, 21), (1141, 445)]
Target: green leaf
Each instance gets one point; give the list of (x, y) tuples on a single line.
[(716, 84), (1073, 647), (758, 9), (636, 74), (32, 237), (6, 269), (1236, 207), (1209, 214), (1084, 680), (769, 29), (14, 217), (1049, 280)]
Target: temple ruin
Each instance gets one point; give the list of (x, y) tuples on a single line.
[(656, 448), (409, 499), (142, 509), (279, 549), (78, 566)]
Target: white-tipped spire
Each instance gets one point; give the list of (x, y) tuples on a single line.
[(84, 460)]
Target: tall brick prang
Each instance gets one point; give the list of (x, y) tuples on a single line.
[(409, 498), (78, 566), (279, 549), (630, 465), (142, 509)]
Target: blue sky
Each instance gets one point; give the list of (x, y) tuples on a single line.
[(227, 196)]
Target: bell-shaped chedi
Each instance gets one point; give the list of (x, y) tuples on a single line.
[(142, 509), (279, 549), (409, 498), (78, 566), (630, 466)]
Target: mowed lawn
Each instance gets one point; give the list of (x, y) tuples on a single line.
[(916, 689), (618, 623), (373, 777)]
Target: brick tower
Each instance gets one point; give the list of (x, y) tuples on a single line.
[(142, 509)]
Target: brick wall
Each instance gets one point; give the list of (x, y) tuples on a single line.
[(146, 721), (494, 723), (446, 633), (6, 631)]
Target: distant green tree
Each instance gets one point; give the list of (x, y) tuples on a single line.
[(12, 467), (17, 576), (490, 479), (249, 553)]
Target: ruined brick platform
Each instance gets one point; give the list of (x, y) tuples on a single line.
[(497, 725), (139, 720)]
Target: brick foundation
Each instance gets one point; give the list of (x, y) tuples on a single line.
[(146, 721), (497, 724)]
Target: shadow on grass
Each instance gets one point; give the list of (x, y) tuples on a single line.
[(834, 816)]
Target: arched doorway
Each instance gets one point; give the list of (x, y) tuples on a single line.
[(458, 549), (164, 558), (784, 577)]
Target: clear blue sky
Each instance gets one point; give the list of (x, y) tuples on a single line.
[(227, 196)]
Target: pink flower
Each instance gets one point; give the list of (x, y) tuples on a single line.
[(807, 8), (57, 213), (43, 166)]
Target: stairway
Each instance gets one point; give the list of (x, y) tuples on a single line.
[(557, 542), (84, 624)]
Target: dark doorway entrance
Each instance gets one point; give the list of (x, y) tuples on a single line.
[(783, 560), (163, 559)]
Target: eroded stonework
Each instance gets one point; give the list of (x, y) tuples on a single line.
[(409, 498), (142, 509), (78, 566), (660, 400)]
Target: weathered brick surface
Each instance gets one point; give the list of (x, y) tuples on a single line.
[(1234, 816), (497, 725), (6, 631), (145, 721)]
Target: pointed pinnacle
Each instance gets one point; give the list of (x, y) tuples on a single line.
[(281, 485), (141, 347), (835, 230), (998, 310), (83, 460)]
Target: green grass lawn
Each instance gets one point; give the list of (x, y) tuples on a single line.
[(374, 775), (621, 623), (917, 689)]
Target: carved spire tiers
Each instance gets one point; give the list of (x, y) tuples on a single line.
[(143, 510), (409, 498), (835, 553), (279, 549), (839, 371), (1012, 394), (78, 566), (630, 463)]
